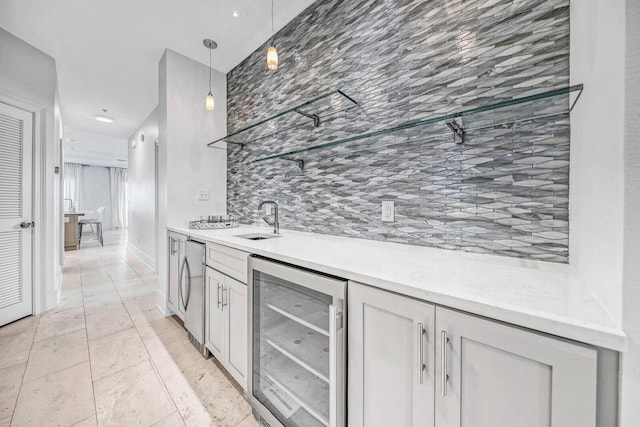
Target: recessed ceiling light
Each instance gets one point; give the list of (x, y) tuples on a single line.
[(235, 13), (105, 119)]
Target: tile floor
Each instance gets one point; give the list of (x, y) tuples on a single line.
[(106, 356)]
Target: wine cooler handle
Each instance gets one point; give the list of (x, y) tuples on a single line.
[(335, 324)]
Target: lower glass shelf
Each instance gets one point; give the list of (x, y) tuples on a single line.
[(292, 389)]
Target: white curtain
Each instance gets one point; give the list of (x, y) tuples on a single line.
[(118, 188), (71, 180)]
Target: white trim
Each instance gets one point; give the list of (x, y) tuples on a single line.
[(39, 164), (161, 303), (144, 257)]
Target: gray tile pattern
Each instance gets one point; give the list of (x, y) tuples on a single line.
[(504, 191)]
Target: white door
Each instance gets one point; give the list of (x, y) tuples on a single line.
[(215, 316), (496, 375), (16, 215), (391, 363), (235, 303)]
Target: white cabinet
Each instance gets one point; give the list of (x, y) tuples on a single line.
[(226, 323), (476, 372), (491, 375), (176, 251), (391, 360)]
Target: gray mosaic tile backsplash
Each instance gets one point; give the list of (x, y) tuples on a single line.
[(504, 191)]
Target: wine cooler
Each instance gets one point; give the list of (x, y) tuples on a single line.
[(297, 338)]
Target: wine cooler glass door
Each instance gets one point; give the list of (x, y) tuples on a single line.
[(297, 345)]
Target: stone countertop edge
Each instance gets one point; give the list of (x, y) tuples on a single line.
[(537, 295)]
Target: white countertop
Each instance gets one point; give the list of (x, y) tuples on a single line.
[(533, 294)]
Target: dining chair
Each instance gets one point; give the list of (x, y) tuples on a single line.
[(91, 222)]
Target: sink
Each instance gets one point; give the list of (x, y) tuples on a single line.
[(257, 236)]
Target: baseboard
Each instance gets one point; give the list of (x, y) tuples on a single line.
[(144, 257), (161, 303)]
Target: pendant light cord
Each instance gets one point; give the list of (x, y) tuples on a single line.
[(272, 22), (209, 69)]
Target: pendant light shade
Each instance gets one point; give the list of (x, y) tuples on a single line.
[(272, 58), (209, 102), (272, 52)]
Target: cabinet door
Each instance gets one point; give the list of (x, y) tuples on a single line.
[(235, 304), (495, 375), (215, 315), (391, 364)]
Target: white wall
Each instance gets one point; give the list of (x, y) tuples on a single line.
[(630, 408), (142, 191), (28, 80), (95, 191), (597, 143), (185, 164)]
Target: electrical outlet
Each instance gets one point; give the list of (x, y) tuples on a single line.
[(388, 211), (203, 194), (268, 208)]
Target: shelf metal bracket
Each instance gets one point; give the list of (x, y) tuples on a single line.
[(298, 161), (457, 130), (315, 118), (241, 144)]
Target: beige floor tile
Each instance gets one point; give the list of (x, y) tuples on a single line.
[(171, 358), (250, 421), (94, 303), (62, 398), (107, 322), (133, 396), (52, 324), (69, 299), (29, 323), (144, 302), (89, 422), (159, 327), (56, 353), (204, 387), (10, 380), (5, 422), (14, 348), (173, 420), (142, 317), (115, 352)]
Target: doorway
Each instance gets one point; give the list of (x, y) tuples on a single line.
[(16, 213)]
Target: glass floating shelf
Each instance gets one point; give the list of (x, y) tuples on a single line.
[(542, 105), (309, 114)]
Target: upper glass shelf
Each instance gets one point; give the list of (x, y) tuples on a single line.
[(309, 114), (483, 116)]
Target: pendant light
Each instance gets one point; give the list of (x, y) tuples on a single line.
[(210, 102), (272, 52)]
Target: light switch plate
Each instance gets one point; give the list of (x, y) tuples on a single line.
[(203, 194), (388, 211)]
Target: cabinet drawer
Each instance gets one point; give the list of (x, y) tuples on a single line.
[(229, 261)]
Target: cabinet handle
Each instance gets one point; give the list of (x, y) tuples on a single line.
[(172, 248), (444, 344), (218, 295), (224, 304), (420, 344)]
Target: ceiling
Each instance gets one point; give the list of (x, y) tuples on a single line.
[(107, 52)]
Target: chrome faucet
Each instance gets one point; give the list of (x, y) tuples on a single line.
[(275, 223)]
